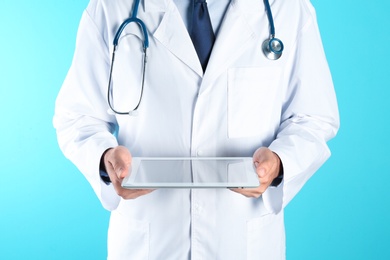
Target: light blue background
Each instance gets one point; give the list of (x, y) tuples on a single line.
[(342, 213)]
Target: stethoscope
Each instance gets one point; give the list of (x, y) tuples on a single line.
[(272, 49), (133, 19)]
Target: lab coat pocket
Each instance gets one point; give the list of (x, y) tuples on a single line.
[(266, 237), (127, 238), (252, 96)]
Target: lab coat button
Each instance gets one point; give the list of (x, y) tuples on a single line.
[(197, 209), (200, 153)]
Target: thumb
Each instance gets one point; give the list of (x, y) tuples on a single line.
[(261, 172), (259, 169), (120, 160), (120, 171)]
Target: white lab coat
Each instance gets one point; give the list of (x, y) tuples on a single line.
[(242, 102)]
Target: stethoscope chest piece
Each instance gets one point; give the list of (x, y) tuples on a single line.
[(273, 48)]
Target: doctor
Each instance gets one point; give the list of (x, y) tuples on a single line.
[(282, 112)]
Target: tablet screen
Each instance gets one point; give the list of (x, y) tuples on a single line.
[(191, 173)]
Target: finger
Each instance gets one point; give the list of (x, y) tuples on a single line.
[(248, 192), (128, 193), (134, 193)]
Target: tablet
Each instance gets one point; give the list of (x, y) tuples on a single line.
[(193, 172)]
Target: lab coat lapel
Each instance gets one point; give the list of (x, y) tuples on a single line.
[(236, 32), (173, 34)]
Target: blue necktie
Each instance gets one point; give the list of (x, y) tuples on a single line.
[(202, 33)]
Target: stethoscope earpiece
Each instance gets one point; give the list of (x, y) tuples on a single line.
[(273, 48)]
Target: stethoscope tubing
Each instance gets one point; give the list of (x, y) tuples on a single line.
[(270, 18), (140, 23)]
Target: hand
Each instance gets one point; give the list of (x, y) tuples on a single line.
[(117, 162), (267, 164)]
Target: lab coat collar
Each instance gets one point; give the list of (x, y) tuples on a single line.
[(156, 5), (240, 20), (162, 5), (173, 34)]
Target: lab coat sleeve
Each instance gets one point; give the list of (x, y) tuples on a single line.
[(84, 128), (309, 119)]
